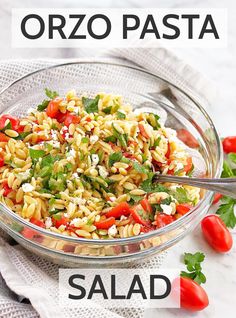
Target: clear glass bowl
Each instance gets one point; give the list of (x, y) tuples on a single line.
[(144, 91)]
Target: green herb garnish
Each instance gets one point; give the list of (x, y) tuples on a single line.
[(121, 115), (115, 157), (51, 94), (193, 263), (36, 154), (91, 105)]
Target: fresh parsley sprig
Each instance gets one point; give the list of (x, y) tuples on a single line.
[(193, 264)]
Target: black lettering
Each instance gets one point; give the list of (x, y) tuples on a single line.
[(140, 290), (23, 26), (212, 28), (113, 289), (171, 26), (153, 28), (52, 27), (127, 28), (90, 30), (101, 290), (80, 18), (76, 286), (152, 286), (190, 18)]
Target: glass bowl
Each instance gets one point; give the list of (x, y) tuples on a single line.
[(144, 91)]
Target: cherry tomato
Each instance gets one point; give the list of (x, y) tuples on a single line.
[(217, 198), (143, 131), (168, 151), (192, 296), (13, 120), (71, 119), (3, 137), (140, 215), (105, 224), (1, 161), (163, 219), (146, 205), (6, 188), (188, 165), (52, 109), (183, 208), (122, 208), (187, 138), (28, 233), (37, 222), (216, 233), (61, 117), (62, 221), (229, 144)]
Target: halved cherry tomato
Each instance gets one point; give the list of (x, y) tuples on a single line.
[(3, 137), (163, 219), (187, 138), (192, 296), (229, 144), (146, 205), (183, 208), (105, 224), (216, 233), (1, 161), (71, 119), (20, 129), (217, 198), (168, 151), (61, 117), (140, 215), (62, 221), (188, 165), (52, 109), (37, 222), (143, 131), (13, 120), (6, 188), (122, 208)]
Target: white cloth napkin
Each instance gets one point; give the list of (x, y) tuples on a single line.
[(27, 275)]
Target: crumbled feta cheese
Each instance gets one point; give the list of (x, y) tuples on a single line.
[(179, 166), (75, 175), (48, 222), (93, 139), (72, 153), (167, 209), (95, 159), (112, 230), (24, 175), (74, 221), (103, 172), (112, 199), (55, 144), (54, 134), (27, 187), (122, 218)]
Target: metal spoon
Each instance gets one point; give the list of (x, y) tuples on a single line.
[(226, 186)]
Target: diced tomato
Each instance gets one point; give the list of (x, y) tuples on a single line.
[(37, 222), (163, 219), (3, 137), (52, 109), (41, 138), (28, 233), (229, 144), (187, 138), (121, 209), (71, 119), (129, 155), (140, 215), (146, 205), (61, 117), (62, 221), (168, 151), (13, 120), (20, 129), (6, 188), (143, 131), (146, 229), (217, 198), (105, 224), (188, 165), (1, 161), (183, 208), (88, 119), (171, 172)]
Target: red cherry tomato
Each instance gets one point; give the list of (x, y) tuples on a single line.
[(1, 161), (121, 209), (28, 233), (146, 205), (3, 137), (105, 224), (71, 119), (188, 165), (192, 296), (183, 208), (62, 221), (6, 188), (37, 222), (168, 151), (61, 117), (140, 215), (13, 120), (216, 233), (187, 138), (143, 131), (52, 109), (217, 198), (229, 144), (163, 219)]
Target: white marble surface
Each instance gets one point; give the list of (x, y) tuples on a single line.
[(218, 65)]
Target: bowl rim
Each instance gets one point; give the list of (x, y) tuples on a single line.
[(133, 239)]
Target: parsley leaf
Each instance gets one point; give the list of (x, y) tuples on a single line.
[(227, 171), (149, 186), (181, 195), (193, 263), (91, 104), (115, 157), (232, 157), (41, 107), (51, 94), (226, 212), (110, 139), (36, 154), (123, 138), (121, 115), (139, 168), (22, 135), (107, 110)]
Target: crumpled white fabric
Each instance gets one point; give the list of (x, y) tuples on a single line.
[(27, 276)]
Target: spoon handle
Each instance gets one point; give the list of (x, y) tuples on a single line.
[(226, 186)]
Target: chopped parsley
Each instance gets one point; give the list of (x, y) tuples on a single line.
[(226, 212), (115, 157), (139, 168), (91, 104), (193, 263), (36, 154), (121, 115), (41, 107), (51, 94), (149, 186)]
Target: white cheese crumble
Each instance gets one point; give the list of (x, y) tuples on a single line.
[(24, 175), (179, 166), (54, 134), (95, 159), (103, 172), (167, 209), (75, 221), (48, 222), (112, 230), (54, 143), (75, 175), (27, 187), (93, 139)]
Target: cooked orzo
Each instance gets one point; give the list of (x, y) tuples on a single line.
[(84, 166)]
